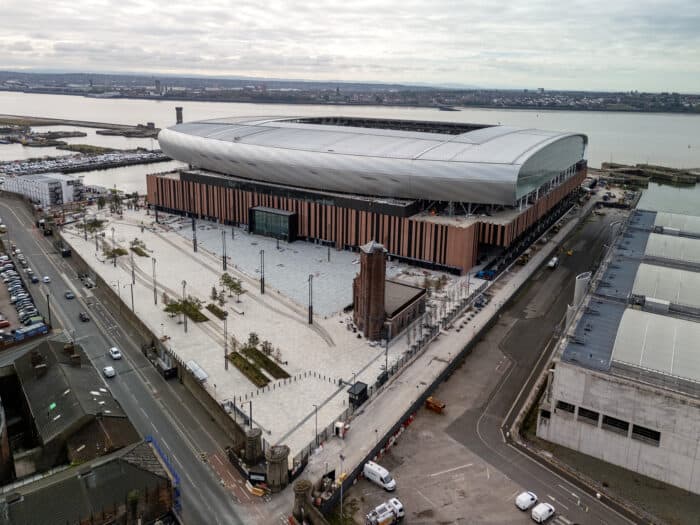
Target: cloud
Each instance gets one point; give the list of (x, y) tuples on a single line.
[(594, 44)]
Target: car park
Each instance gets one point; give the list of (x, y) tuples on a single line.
[(69, 295), (115, 353), (525, 500), (542, 512), (46, 279), (109, 371)]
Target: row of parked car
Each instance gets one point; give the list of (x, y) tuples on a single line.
[(27, 312)]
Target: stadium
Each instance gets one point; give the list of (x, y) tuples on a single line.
[(436, 194)]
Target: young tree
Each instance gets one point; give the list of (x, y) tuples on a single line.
[(165, 298), (266, 347), (237, 288), (253, 340), (214, 293)]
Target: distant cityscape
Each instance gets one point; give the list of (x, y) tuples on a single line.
[(256, 90)]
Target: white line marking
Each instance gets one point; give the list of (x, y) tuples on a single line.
[(450, 470), (426, 498), (562, 518), (513, 495)]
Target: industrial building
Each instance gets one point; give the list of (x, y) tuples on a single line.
[(626, 387), (46, 189), (436, 194)]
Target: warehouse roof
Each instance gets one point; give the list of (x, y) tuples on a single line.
[(683, 223), (668, 284), (673, 248), (658, 343)]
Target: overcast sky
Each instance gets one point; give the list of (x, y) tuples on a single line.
[(572, 44)]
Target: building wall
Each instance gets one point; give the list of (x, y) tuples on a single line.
[(405, 317), (441, 244), (368, 293), (413, 238), (675, 459)]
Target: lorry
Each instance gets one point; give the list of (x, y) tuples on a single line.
[(387, 513)]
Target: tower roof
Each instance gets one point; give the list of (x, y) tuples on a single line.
[(372, 246)]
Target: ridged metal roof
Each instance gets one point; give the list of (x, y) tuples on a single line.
[(481, 164)]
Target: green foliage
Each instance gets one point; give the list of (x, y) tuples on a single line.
[(116, 252), (218, 312), (139, 251), (248, 369), (94, 225), (253, 339), (233, 285), (262, 361), (190, 307), (101, 202)]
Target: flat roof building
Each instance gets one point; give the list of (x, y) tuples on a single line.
[(430, 192), (626, 387)]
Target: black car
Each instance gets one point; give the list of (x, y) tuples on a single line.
[(83, 317)]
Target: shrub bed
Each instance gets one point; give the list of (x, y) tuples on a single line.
[(139, 251), (248, 369), (218, 312), (265, 362), (193, 312)]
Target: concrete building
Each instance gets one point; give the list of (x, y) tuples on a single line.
[(626, 388), (382, 308), (432, 193), (46, 189)]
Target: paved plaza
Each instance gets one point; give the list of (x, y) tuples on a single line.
[(321, 357)]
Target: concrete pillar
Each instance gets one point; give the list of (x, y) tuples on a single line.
[(277, 467), (253, 446), (302, 489), (581, 287)]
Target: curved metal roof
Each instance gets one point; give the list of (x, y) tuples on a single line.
[(402, 159)]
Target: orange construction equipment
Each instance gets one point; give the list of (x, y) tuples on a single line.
[(435, 405)]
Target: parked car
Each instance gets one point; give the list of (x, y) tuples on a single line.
[(109, 371), (115, 353), (83, 317), (542, 512), (525, 500), (46, 279)]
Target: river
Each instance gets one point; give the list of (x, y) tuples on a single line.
[(656, 138)]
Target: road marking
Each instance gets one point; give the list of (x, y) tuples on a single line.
[(450, 470), (426, 498), (513, 495), (557, 502), (488, 474), (562, 518)]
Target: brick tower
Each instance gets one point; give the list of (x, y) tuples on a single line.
[(368, 291)]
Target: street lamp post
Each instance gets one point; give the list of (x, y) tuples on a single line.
[(155, 293), (85, 226), (316, 420), (48, 305), (132, 294), (114, 249), (184, 315), (311, 299), (262, 272), (119, 294), (223, 251), (342, 458), (225, 343)]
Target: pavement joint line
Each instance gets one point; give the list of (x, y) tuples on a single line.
[(450, 470)]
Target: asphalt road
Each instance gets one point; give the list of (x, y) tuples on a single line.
[(532, 316), (155, 407)]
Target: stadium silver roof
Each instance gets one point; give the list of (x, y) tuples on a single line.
[(658, 343), (394, 158)]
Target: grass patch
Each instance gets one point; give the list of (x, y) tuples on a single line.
[(248, 369), (139, 251), (262, 361), (218, 312)]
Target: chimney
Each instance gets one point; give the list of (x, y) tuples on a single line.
[(178, 115), (75, 360)]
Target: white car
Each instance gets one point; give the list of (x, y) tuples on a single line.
[(115, 353), (109, 371), (46, 279), (542, 512), (525, 500)]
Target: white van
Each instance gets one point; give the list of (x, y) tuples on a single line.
[(553, 263), (379, 475), (542, 512)]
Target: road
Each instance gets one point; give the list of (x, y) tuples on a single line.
[(532, 317), (157, 408)]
